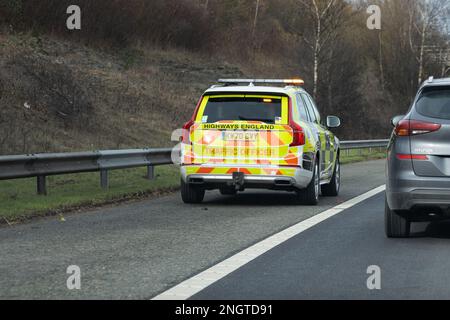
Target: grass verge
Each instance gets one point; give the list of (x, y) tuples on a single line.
[(66, 193), (19, 201), (359, 155)]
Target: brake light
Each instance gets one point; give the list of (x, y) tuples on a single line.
[(402, 128), (412, 156), (186, 131), (298, 135), (414, 127), (187, 126)]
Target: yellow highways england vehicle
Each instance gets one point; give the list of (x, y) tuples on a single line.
[(251, 133)]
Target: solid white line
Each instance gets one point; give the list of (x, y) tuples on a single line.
[(197, 283)]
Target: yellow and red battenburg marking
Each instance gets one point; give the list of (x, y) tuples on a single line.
[(262, 144), (266, 171)]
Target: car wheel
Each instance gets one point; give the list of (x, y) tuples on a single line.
[(228, 191), (310, 195), (396, 226), (332, 189), (191, 193)]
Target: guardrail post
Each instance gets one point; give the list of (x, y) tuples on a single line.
[(150, 172), (104, 180), (41, 185)]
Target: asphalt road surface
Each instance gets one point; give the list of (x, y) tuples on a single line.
[(141, 249), (331, 260)]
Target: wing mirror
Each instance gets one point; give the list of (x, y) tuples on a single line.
[(395, 120), (333, 122)]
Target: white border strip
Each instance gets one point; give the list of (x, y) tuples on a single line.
[(197, 283)]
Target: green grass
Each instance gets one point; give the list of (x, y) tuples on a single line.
[(19, 201), (18, 198), (358, 155)]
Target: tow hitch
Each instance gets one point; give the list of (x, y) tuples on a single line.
[(238, 180)]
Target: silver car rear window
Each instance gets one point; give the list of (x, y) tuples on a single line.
[(434, 102)]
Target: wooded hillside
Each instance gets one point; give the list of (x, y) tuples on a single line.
[(136, 64)]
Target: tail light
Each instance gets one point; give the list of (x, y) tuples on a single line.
[(186, 131), (187, 126), (414, 127), (298, 135), (412, 156)]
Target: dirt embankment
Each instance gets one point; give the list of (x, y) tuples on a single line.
[(57, 95)]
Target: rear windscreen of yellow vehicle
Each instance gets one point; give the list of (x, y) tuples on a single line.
[(241, 129), (266, 110)]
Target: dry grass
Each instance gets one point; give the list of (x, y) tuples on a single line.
[(80, 98)]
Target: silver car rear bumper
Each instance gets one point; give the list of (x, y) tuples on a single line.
[(405, 190), (419, 198)]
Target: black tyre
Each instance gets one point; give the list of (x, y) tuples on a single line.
[(332, 189), (191, 193), (310, 195), (228, 191), (396, 226)]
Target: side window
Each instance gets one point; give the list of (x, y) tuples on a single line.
[(302, 109), (309, 107), (316, 111)]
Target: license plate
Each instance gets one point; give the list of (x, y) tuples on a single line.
[(239, 136)]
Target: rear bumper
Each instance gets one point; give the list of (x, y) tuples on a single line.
[(297, 179), (420, 199), (419, 195), (405, 191)]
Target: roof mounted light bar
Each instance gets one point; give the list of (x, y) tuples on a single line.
[(251, 82)]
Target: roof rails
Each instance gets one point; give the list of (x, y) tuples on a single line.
[(251, 82)]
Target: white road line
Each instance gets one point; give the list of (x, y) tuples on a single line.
[(197, 283)]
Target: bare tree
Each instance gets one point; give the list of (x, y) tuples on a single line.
[(325, 15), (255, 20), (423, 15)]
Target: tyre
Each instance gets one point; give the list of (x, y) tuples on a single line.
[(332, 189), (396, 226), (191, 193), (228, 191), (310, 195)]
